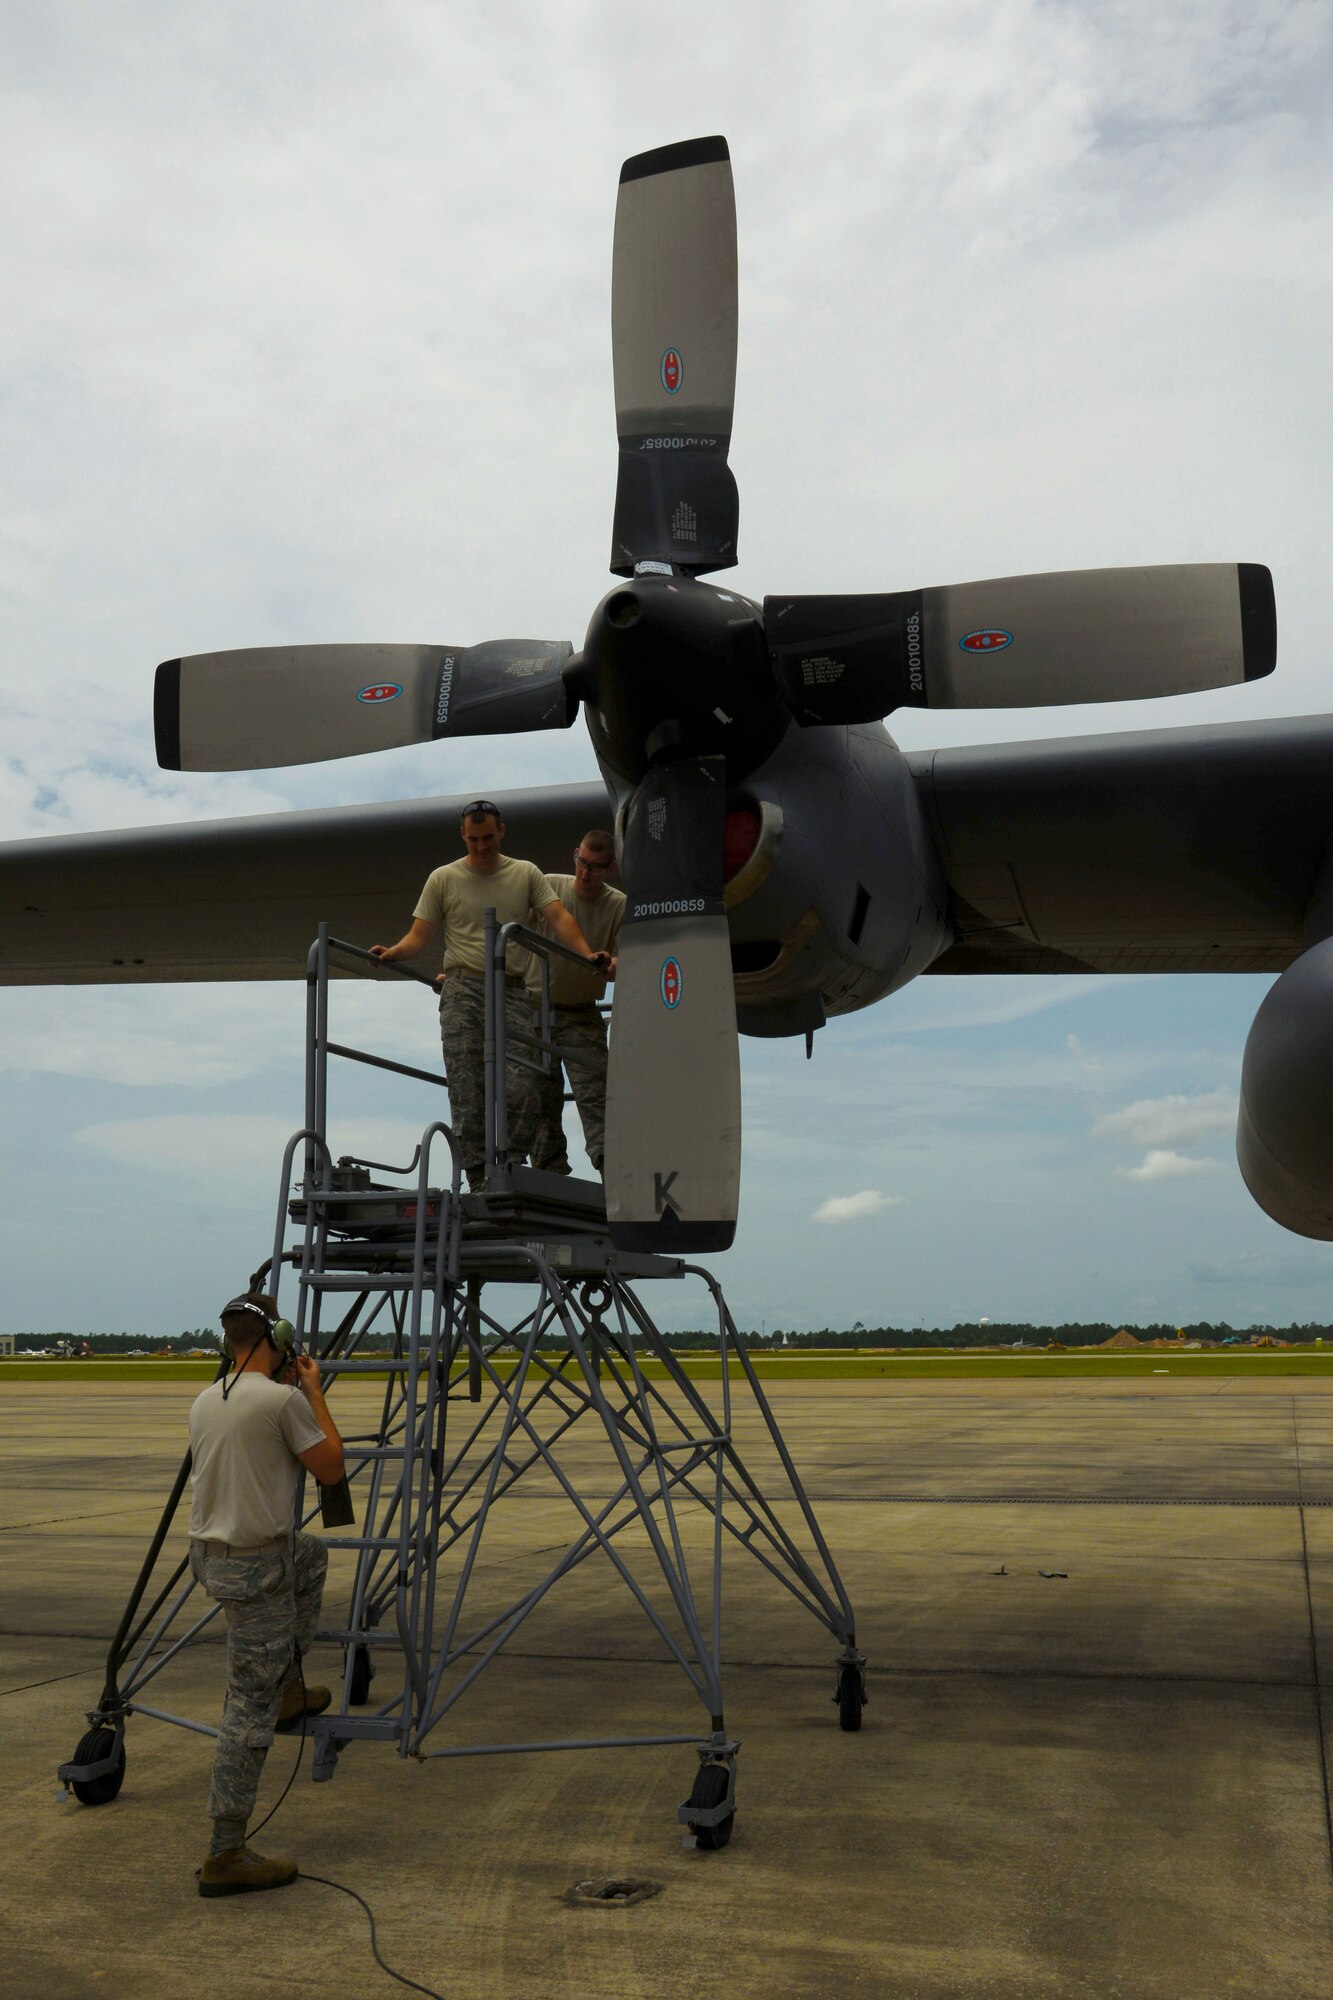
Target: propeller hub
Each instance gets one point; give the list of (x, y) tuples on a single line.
[(672, 665)]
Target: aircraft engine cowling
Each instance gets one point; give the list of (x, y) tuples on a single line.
[(1284, 1136)]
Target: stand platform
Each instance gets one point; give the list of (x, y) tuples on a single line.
[(570, 1392)]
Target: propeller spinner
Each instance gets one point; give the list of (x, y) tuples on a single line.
[(688, 687)]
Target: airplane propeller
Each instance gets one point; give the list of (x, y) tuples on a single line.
[(261, 706), (673, 1107), (673, 349), (689, 688), (1024, 641)]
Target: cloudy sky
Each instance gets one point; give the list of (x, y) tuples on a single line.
[(307, 338)]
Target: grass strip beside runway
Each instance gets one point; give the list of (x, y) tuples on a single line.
[(826, 1366)]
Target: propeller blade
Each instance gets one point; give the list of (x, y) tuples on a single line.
[(1024, 641), (673, 1106), (270, 705), (673, 344)]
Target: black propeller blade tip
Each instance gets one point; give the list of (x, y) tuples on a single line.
[(167, 715), (673, 1237), (669, 159), (1258, 619)]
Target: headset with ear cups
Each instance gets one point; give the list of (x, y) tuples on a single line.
[(279, 1333)]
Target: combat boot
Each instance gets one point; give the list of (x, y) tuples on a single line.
[(298, 1703), (241, 1870)]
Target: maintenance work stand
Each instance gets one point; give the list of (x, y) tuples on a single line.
[(482, 1349)]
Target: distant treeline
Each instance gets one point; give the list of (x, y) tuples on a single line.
[(1003, 1333), (965, 1334)]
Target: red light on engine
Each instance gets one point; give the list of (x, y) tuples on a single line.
[(740, 837)]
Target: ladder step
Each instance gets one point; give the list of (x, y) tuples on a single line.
[(363, 1541), (405, 1195), (370, 1637), (367, 1281), (360, 1728), (387, 1364)]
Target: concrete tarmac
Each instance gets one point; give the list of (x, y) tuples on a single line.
[(1109, 1783)]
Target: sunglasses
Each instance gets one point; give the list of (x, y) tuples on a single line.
[(478, 810), (593, 867)]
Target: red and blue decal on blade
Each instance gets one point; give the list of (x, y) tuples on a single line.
[(379, 691), (988, 640), (673, 371), (671, 982)]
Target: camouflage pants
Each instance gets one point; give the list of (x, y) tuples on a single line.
[(271, 1603), (573, 1031), (463, 1033)]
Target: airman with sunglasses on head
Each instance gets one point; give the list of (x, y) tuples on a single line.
[(458, 896)]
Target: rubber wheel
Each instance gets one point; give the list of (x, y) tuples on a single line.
[(362, 1675), (710, 1788), (851, 1699), (98, 1743)]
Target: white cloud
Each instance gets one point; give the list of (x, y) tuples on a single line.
[(198, 1035), (1162, 1125), (1163, 1165), (1293, 1271), (172, 1037), (1089, 1066), (242, 1148), (262, 386), (1170, 1121), (986, 1002), (855, 1207)]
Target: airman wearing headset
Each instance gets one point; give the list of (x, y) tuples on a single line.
[(250, 1433)]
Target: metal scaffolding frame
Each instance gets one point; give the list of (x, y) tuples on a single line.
[(480, 1408)]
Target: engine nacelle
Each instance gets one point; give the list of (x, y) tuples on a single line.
[(1284, 1137), (834, 893)]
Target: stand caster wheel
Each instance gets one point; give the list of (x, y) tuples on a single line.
[(363, 1673), (851, 1697), (710, 1789), (96, 1745)]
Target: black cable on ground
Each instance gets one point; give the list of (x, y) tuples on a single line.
[(370, 1915), (326, 1880), (78, 1673)]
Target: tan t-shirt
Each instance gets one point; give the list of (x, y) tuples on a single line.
[(244, 1473), (459, 895), (599, 918)]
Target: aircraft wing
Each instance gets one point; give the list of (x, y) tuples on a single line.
[(1173, 850), (243, 898)]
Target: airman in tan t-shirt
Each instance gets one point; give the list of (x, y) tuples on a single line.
[(457, 896)]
